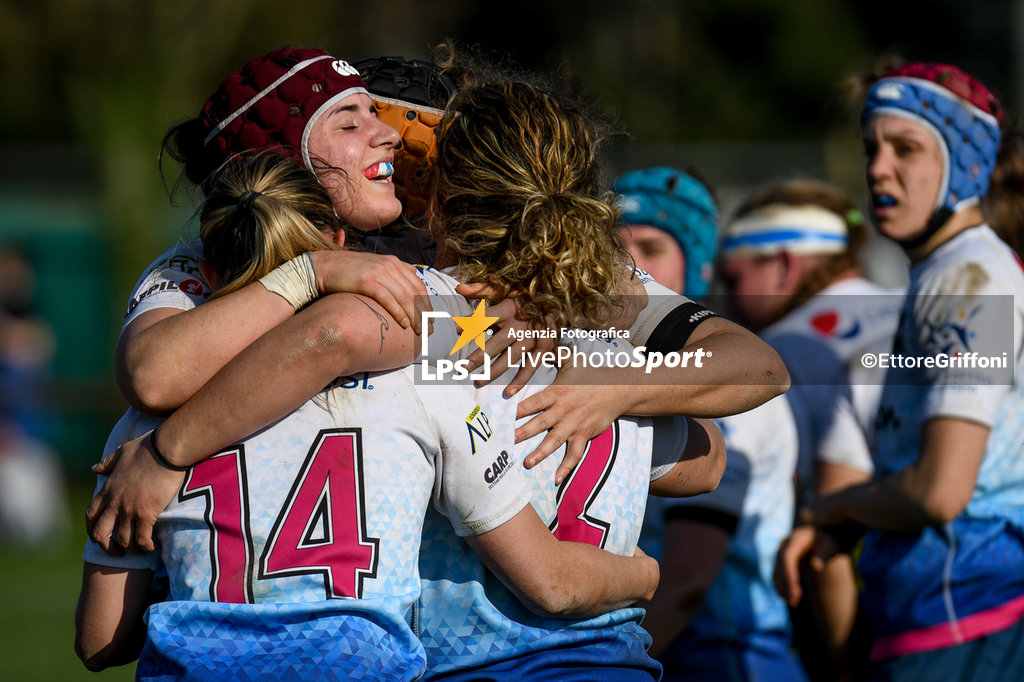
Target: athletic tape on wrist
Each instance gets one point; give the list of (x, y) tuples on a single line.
[(294, 280)]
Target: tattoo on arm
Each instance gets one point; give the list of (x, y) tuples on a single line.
[(384, 324)]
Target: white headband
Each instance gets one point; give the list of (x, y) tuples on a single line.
[(774, 228)]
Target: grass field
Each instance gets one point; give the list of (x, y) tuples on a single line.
[(38, 592)]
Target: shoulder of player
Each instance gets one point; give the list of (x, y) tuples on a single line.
[(180, 260), (183, 255), (975, 262)]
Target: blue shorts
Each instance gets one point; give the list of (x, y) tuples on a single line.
[(581, 662)]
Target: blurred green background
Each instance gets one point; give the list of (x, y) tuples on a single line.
[(744, 90)]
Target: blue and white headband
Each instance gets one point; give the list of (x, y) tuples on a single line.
[(771, 229)]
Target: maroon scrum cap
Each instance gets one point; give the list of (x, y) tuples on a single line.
[(274, 101)]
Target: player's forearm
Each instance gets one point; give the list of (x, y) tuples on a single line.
[(701, 466), (160, 366), (108, 618), (724, 374), (934, 489), (588, 581), (833, 592), (737, 371), (562, 579), (713, 369), (336, 336), (896, 503)]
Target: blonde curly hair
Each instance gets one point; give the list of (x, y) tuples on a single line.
[(518, 204)]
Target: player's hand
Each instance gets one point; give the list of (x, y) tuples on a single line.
[(806, 546), (503, 348), (122, 514), (573, 409), (391, 282)]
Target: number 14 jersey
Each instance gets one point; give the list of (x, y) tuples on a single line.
[(295, 552)]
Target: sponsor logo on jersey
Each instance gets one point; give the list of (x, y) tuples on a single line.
[(479, 428), (421, 271), (182, 263), (362, 381), (643, 276), (951, 334), (886, 418), (192, 287), (189, 286), (498, 468), (699, 315), (826, 323)]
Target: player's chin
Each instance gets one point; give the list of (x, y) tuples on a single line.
[(897, 228), (393, 210), (377, 214)]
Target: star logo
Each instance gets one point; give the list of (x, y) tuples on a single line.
[(473, 327)]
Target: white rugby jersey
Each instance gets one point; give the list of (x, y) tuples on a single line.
[(311, 528), (924, 590), (468, 620), (844, 320), (834, 394)]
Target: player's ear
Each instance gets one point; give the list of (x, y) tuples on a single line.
[(790, 272), (338, 237), (209, 274)]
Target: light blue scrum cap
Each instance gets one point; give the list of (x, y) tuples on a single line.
[(675, 202)]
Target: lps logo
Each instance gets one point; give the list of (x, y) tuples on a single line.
[(473, 329)]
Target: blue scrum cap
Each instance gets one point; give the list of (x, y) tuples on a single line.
[(675, 202)]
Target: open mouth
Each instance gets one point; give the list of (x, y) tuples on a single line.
[(380, 172), (883, 200)]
